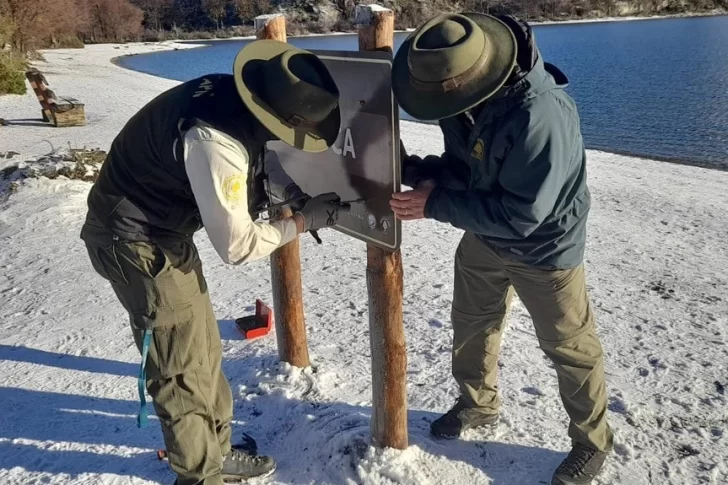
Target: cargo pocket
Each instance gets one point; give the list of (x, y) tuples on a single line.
[(178, 340)]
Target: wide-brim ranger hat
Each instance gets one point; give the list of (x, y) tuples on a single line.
[(290, 92), (451, 64)]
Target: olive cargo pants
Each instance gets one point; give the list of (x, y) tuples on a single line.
[(162, 287), (562, 316)]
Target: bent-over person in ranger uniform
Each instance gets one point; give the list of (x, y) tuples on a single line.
[(513, 176), (192, 158)]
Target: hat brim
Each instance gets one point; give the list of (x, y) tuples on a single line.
[(431, 106), (246, 69)]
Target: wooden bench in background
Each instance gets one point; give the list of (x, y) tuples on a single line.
[(60, 111)]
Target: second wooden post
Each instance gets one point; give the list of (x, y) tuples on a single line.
[(285, 263), (385, 286)]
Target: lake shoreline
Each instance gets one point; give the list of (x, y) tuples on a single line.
[(693, 157), (662, 159), (105, 53), (596, 20)]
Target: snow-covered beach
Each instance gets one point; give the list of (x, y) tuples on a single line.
[(657, 263)]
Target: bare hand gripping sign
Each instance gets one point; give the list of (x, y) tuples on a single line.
[(364, 162)]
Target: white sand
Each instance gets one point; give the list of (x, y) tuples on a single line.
[(658, 272)]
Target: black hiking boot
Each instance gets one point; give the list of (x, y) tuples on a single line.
[(580, 466), (460, 418), (238, 466)]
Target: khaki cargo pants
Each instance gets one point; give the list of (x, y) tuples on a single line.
[(162, 287), (564, 323)]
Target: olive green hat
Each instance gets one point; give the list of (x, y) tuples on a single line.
[(290, 92), (451, 64)]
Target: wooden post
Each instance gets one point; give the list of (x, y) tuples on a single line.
[(385, 286), (285, 263), (272, 26), (376, 28)]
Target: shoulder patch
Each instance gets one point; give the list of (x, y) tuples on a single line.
[(233, 188), (478, 150)]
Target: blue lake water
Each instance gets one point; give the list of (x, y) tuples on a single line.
[(654, 88)]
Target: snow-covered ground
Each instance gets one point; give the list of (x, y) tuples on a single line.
[(658, 272)]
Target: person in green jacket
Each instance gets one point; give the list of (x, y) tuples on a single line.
[(513, 177)]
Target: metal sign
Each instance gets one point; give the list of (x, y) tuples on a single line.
[(364, 162)]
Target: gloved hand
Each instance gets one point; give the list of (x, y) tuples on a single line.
[(293, 192), (322, 211)]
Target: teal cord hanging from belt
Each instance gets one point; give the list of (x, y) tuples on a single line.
[(142, 419)]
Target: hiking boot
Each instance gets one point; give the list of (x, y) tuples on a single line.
[(238, 466), (580, 466), (460, 418)]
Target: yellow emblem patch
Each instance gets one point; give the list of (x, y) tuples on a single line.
[(233, 187), (478, 150)]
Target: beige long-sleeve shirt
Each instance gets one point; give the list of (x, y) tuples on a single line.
[(217, 166)]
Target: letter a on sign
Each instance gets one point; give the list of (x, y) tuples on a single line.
[(349, 145)]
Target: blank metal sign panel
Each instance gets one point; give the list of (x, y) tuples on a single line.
[(364, 162)]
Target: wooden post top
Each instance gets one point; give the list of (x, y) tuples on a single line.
[(368, 14), (376, 28), (271, 26), (267, 17)]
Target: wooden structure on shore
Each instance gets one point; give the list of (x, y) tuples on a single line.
[(59, 111)]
